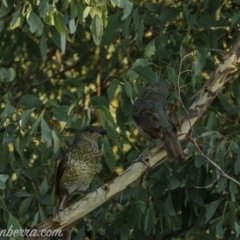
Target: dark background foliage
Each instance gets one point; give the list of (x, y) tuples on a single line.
[(67, 64)]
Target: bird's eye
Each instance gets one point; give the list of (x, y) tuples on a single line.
[(91, 131)]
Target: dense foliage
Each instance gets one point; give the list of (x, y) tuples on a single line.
[(67, 64)]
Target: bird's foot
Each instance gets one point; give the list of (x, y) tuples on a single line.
[(60, 208), (143, 158), (145, 161), (59, 212), (149, 144)]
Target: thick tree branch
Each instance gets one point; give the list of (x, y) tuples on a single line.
[(224, 72)]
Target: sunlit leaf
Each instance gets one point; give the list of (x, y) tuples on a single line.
[(34, 22), (3, 179), (127, 8), (7, 74), (97, 29)]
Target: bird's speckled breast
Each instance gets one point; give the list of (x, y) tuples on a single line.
[(82, 165)]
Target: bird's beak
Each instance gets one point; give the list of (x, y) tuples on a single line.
[(103, 131)]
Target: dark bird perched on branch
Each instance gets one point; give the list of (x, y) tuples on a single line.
[(154, 119), (79, 164)]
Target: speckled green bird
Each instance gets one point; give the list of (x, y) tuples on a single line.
[(79, 164), (154, 119)]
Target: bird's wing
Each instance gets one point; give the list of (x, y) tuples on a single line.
[(149, 122), (60, 170), (171, 115)]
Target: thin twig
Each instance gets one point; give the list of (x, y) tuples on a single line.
[(222, 173)]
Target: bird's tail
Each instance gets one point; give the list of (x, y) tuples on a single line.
[(172, 145)]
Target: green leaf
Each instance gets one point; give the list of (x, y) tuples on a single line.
[(34, 22), (41, 212), (35, 125), (199, 63), (4, 157), (30, 101), (136, 18), (211, 209), (168, 14), (146, 73), (222, 185), (237, 228), (14, 225), (1, 25), (107, 121), (43, 47), (141, 205), (86, 11), (2, 203), (8, 110), (7, 74), (4, 10), (58, 21), (25, 118), (127, 8), (142, 62), (3, 179), (5, 3), (44, 187), (126, 27), (228, 106), (149, 50), (232, 214), (19, 146), (219, 230), (72, 26), (112, 89), (99, 100), (221, 151), (108, 154), (233, 190), (22, 194), (110, 32), (24, 207), (96, 28), (124, 232), (46, 133), (149, 220), (74, 9), (61, 113), (174, 182), (63, 40), (43, 8), (168, 204), (132, 75), (16, 20), (195, 197), (235, 148), (153, 7), (139, 37), (237, 165), (128, 88), (56, 141), (35, 220)]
